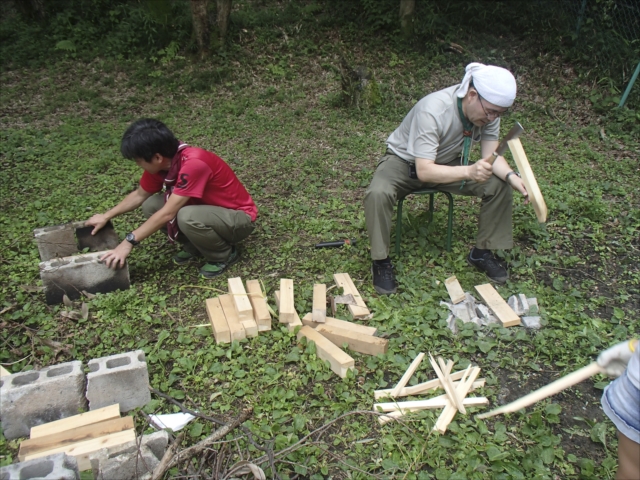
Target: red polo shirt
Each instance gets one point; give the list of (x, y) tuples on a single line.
[(207, 180)]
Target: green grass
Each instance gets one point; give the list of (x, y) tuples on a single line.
[(271, 110)]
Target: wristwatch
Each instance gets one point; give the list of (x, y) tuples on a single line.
[(506, 179), (131, 238)]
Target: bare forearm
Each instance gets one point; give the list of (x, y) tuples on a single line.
[(154, 223), (132, 201), (433, 173)]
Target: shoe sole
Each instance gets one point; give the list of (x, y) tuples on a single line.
[(382, 291), (499, 281)]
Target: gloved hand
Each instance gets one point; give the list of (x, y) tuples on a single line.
[(615, 359)]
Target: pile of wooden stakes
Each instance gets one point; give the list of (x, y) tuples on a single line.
[(240, 313), (456, 386), (243, 313), (328, 333), (79, 436)]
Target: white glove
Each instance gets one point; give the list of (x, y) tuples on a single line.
[(614, 360)]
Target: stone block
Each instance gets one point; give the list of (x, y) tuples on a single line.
[(72, 238), (71, 275), (121, 378), (53, 467), (127, 461), (532, 322), (32, 398)]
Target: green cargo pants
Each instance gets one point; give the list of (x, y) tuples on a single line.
[(391, 182), (204, 229)]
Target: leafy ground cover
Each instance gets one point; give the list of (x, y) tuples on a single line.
[(271, 108)]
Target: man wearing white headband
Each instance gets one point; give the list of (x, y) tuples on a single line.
[(430, 148)]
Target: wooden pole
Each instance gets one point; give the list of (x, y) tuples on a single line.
[(546, 391)]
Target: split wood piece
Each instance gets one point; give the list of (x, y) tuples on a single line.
[(236, 329), (75, 435), (82, 450), (243, 306), (529, 180), (296, 319), (447, 384), (336, 322), (339, 360), (394, 415), (357, 342), (456, 294), (498, 306), (218, 320), (420, 388), (259, 304), (359, 310), (407, 375), (319, 311), (76, 421), (286, 307), (4, 372), (450, 410), (441, 401), (554, 387)]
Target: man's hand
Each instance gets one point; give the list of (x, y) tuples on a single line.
[(517, 184), (98, 221), (614, 360), (481, 171), (116, 258)]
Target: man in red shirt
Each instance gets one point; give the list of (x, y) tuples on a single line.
[(204, 206)]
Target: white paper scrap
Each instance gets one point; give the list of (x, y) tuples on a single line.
[(174, 421)]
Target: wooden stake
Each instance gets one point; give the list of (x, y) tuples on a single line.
[(546, 391), (4, 372), (319, 312), (75, 435), (498, 306), (436, 402), (325, 350), (407, 375), (529, 180), (218, 320), (450, 410), (259, 304), (240, 299), (335, 322), (286, 308), (76, 421), (456, 294), (236, 329), (359, 310), (291, 326), (357, 342)]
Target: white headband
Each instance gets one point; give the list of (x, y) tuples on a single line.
[(495, 84)]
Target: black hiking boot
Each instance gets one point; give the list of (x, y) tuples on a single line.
[(486, 262), (384, 281)]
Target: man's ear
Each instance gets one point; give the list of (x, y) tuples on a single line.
[(157, 158)]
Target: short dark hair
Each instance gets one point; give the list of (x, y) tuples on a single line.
[(146, 137)]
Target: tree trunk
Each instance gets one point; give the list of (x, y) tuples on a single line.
[(201, 25), (224, 10), (407, 9)]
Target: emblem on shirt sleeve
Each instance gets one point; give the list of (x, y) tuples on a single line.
[(182, 181)]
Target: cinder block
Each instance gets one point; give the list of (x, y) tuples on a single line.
[(71, 238), (127, 461), (121, 378), (53, 467), (65, 270), (40, 396), (72, 275)]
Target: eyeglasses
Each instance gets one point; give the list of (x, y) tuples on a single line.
[(493, 114)]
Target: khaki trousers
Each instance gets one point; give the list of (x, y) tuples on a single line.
[(204, 229), (391, 181), (628, 458)]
